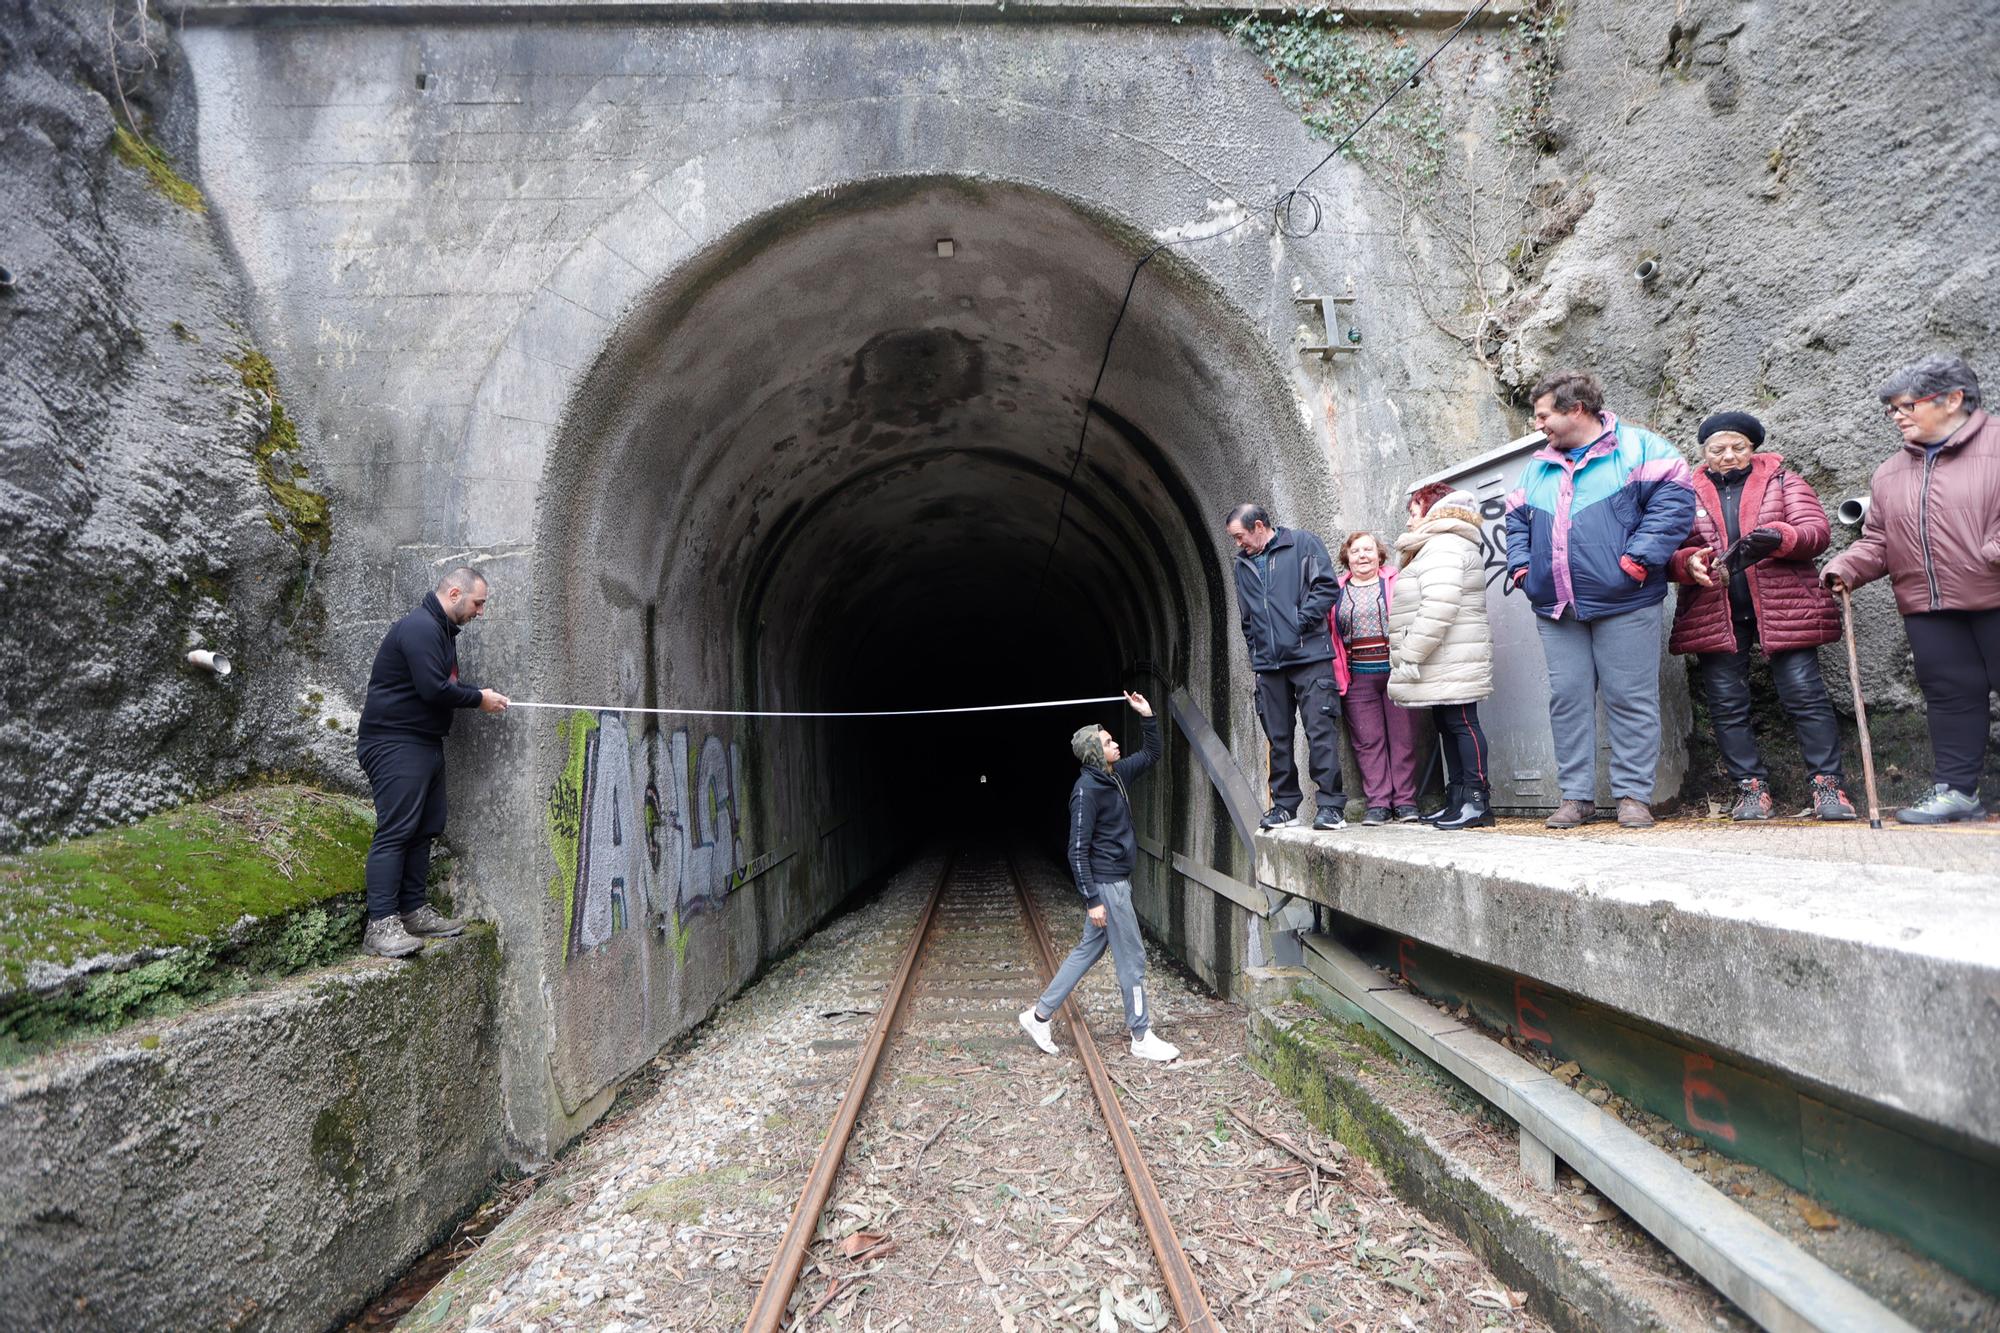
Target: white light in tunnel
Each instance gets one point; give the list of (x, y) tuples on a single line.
[(982, 777), (945, 247)]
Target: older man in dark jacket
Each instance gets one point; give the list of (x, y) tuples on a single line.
[(413, 693), (1285, 584)]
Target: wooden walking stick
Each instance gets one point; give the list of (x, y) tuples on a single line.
[(1860, 708)]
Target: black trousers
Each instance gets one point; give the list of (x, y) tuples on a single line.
[(1306, 690), (1958, 669), (1464, 746), (407, 778), (1725, 679)]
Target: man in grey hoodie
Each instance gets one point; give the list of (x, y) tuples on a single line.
[(1102, 852)]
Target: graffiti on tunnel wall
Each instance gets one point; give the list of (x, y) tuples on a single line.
[(693, 829), (653, 854)]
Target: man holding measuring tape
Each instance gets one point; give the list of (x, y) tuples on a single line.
[(1102, 851), (413, 691)]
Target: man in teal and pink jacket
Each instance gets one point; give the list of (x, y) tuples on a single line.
[(1590, 534)]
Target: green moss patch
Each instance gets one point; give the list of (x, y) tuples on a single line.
[(302, 512), (135, 150), (179, 879)]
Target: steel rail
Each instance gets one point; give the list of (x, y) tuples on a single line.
[(1182, 1288), (767, 1313)]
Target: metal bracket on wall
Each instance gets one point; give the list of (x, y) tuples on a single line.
[(1338, 340)]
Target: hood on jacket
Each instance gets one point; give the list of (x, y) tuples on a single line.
[(1456, 514), (1088, 746)]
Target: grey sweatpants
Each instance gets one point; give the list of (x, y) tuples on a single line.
[(1619, 656), (1128, 957)]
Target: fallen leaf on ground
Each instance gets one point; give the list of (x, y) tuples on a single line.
[(1816, 1217)]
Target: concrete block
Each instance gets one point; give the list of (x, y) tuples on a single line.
[(273, 1159), (1538, 1162), (1874, 980)]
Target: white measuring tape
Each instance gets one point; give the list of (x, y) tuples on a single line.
[(878, 712)]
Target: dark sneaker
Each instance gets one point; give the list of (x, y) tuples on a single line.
[(1407, 814), (1944, 805), (1632, 813), (1375, 815), (1326, 821), (1829, 801), (1276, 818), (386, 938), (1752, 802), (428, 922), (1572, 814)]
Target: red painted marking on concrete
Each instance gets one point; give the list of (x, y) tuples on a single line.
[(1693, 1087), (1406, 957), (1525, 1008)]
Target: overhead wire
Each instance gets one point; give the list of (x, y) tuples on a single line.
[(1283, 210)]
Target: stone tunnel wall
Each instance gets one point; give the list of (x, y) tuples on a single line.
[(450, 228)]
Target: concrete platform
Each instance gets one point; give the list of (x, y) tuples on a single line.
[(1864, 963)]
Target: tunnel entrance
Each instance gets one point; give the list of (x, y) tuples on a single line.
[(834, 466)]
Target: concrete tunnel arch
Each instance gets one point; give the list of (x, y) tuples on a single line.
[(819, 466)]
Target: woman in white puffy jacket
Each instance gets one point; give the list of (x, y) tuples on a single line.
[(1440, 650)]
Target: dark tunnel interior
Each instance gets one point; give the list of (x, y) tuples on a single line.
[(837, 469)]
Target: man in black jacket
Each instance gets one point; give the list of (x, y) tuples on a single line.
[(413, 691), (1102, 852), (1285, 585)]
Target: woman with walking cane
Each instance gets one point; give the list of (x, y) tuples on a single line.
[(1933, 526), (1747, 581)]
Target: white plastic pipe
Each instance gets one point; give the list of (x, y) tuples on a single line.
[(208, 661)]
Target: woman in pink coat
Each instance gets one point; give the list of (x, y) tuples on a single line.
[(1748, 581), (1385, 736)]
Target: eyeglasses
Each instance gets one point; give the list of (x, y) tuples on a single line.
[(1890, 411)]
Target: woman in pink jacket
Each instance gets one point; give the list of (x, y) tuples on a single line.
[(1385, 736), (1933, 527), (1747, 581)]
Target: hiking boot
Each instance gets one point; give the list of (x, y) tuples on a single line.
[(1150, 1047), (1944, 805), (1829, 801), (1407, 814), (1042, 1034), (386, 938), (1374, 816), (1754, 803), (1475, 813), (1276, 818), (1572, 814), (430, 923), (1326, 821), (1632, 812)]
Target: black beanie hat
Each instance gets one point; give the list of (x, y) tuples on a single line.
[(1742, 423)]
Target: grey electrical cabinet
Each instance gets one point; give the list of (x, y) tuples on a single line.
[(1516, 718)]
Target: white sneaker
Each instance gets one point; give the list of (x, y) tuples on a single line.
[(1150, 1047), (1042, 1034)]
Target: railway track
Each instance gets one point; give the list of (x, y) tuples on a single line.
[(979, 953)]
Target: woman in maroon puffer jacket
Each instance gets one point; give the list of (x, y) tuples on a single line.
[(1748, 579)]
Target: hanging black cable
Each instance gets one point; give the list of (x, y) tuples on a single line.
[(1282, 210)]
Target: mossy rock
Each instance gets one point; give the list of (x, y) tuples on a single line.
[(176, 880), (136, 150)]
